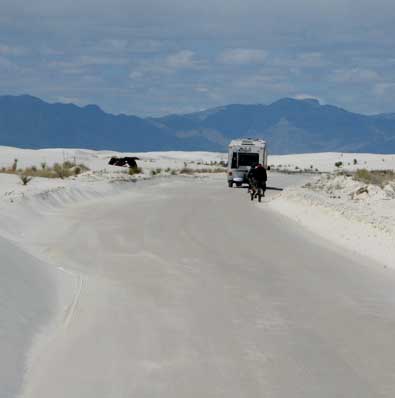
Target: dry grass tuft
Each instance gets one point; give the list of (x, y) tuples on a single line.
[(25, 179), (135, 170), (211, 170), (58, 170), (375, 177), (186, 170)]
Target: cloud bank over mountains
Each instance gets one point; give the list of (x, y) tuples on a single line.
[(153, 58)]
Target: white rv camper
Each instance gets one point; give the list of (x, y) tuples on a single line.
[(243, 153)]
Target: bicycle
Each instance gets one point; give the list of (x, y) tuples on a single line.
[(257, 190)]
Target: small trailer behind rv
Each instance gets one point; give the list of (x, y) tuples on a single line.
[(243, 153)]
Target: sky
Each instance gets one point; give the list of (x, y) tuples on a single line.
[(151, 57)]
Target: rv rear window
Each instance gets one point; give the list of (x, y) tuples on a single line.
[(248, 159)]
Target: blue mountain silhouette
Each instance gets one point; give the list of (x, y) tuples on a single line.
[(289, 125)]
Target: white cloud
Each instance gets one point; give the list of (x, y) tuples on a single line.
[(139, 45), (201, 89), (300, 61), (70, 100), (98, 60), (184, 59), (154, 69), (80, 64), (286, 47), (355, 75), (114, 44), (312, 60), (271, 84), (242, 56), (136, 75), (307, 97), (68, 68)]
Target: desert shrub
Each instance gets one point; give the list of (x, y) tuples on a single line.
[(167, 170), (186, 170), (135, 170), (355, 161), (68, 165), (173, 172), (339, 164), (155, 172), (83, 167), (363, 175), (63, 170), (25, 179), (60, 171), (77, 170), (216, 170), (375, 177), (67, 169)]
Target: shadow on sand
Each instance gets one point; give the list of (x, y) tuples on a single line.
[(274, 189), (267, 188)]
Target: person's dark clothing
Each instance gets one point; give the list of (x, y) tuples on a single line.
[(260, 174)]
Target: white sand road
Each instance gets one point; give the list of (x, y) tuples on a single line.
[(26, 298), (183, 288)]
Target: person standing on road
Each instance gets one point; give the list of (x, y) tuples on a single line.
[(260, 177)]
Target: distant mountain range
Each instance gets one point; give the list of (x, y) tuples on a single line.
[(289, 126)]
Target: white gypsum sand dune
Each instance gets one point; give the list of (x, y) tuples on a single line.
[(326, 162), (97, 160), (364, 223), (350, 213), (95, 182)]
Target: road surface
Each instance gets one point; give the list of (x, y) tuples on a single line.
[(26, 298), (185, 288)]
